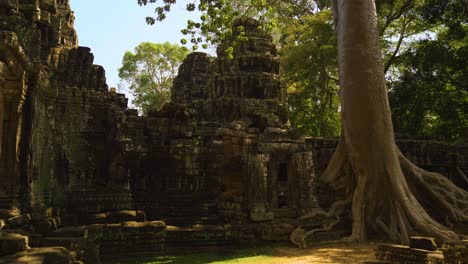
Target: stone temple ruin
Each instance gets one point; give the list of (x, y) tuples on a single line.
[(218, 164)]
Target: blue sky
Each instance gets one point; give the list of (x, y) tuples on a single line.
[(111, 27)]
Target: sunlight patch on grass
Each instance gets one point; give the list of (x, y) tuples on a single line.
[(244, 260)]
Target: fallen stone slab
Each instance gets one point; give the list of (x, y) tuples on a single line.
[(9, 213), (46, 255), (117, 217), (427, 243), (13, 243), (19, 221)]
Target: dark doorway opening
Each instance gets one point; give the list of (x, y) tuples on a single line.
[(283, 173), (282, 185)]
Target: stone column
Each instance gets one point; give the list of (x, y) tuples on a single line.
[(258, 187), (2, 111), (301, 181)]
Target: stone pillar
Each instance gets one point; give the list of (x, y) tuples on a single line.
[(301, 181), (2, 111), (13, 89), (258, 187)]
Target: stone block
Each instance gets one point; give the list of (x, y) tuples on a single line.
[(19, 221), (455, 252), (78, 232), (427, 243), (389, 253), (121, 216), (71, 243), (44, 255), (13, 243), (276, 231), (45, 226)]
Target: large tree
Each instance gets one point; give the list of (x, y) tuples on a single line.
[(149, 71), (386, 191)]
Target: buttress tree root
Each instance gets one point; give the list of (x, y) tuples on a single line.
[(391, 198), (388, 212)]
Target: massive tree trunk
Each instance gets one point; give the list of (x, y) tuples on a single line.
[(383, 187)]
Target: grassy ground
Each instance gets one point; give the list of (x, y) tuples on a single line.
[(335, 253)]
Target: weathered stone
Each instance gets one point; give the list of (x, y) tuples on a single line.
[(77, 232), (427, 243), (13, 243), (19, 221), (44, 255), (276, 231), (45, 226), (70, 243), (131, 239), (455, 252), (388, 253), (198, 235)]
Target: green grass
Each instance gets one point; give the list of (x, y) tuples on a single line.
[(220, 256)]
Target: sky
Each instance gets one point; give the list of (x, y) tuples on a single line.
[(111, 27)]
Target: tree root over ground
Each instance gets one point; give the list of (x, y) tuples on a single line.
[(393, 207)]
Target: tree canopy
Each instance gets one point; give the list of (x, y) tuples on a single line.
[(304, 32), (148, 73)]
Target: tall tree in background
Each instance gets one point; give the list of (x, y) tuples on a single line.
[(429, 86), (148, 73), (309, 59)]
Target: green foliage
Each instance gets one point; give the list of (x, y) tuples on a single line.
[(424, 50), (149, 71), (429, 97), (310, 73)]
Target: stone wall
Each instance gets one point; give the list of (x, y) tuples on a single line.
[(13, 78), (451, 160)]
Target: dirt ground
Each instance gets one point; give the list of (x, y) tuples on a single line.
[(336, 253)]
